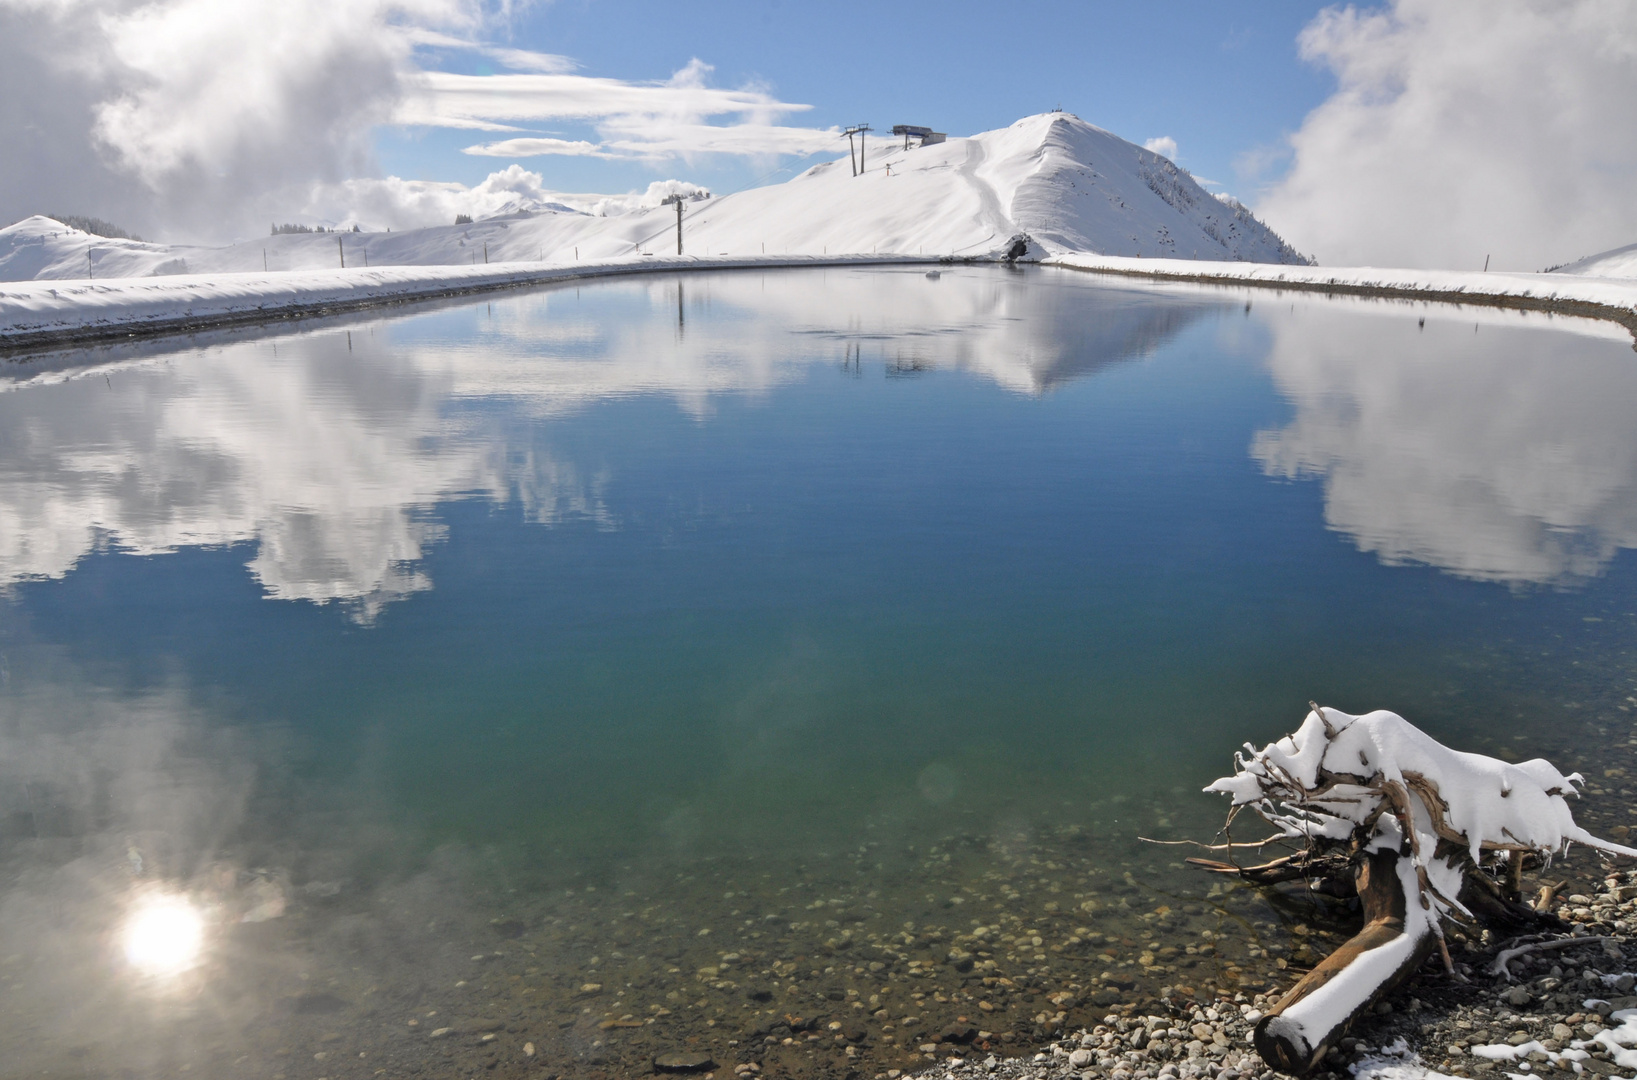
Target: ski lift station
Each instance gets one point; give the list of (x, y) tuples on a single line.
[(925, 135)]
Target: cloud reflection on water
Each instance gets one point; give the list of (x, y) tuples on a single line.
[(1507, 456), (330, 451)]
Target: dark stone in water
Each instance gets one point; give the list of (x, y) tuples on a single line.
[(683, 1061), (508, 928), (853, 1031), (1106, 997), (835, 995), (317, 1004), (958, 1033)]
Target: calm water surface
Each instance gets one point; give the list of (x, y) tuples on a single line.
[(667, 664)]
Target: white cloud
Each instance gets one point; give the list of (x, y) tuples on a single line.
[(1463, 128), (654, 120), (1163, 145), (395, 203), (190, 111), (442, 99), (537, 147)]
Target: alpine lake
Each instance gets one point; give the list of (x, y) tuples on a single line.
[(788, 667)]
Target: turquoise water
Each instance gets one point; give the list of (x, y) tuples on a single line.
[(898, 590)]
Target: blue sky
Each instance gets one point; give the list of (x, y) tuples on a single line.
[(1222, 79)]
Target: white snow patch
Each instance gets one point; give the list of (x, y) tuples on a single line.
[(1394, 1062), (1617, 1040)]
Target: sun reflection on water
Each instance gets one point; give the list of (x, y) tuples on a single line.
[(163, 935)]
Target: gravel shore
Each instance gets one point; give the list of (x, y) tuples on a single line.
[(1561, 1009)]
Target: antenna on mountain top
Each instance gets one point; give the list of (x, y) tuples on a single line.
[(858, 160)]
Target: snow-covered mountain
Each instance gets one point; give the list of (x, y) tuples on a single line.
[(1069, 185), (1620, 262), (44, 248)]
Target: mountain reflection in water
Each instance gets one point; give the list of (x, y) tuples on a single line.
[(328, 451)]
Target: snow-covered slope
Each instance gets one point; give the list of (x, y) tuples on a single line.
[(1071, 186), (42, 247), (1621, 262)]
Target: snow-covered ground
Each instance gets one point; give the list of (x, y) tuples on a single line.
[(43, 311), (1569, 293), (1068, 184), (1621, 262)]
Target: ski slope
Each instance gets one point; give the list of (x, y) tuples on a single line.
[(1621, 262), (1069, 185)]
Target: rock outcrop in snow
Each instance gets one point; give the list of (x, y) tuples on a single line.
[(1069, 185)]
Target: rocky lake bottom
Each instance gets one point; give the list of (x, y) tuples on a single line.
[(971, 952)]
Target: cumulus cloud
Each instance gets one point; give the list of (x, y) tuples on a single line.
[(193, 119), (152, 113), (1163, 145), (1461, 129), (395, 203)]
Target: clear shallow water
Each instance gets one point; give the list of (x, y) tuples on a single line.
[(625, 623)]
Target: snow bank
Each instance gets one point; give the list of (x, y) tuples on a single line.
[(1570, 294), (41, 313)]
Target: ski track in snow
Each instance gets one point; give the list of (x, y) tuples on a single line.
[(988, 201)]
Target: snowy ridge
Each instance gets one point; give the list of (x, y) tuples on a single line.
[(42, 247), (1070, 185), (1621, 262)]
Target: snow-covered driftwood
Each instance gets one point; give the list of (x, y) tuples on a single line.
[(1417, 828)]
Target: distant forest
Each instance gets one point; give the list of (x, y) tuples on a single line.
[(95, 226), (279, 230)]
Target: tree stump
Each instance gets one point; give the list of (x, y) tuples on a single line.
[(1294, 1046)]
